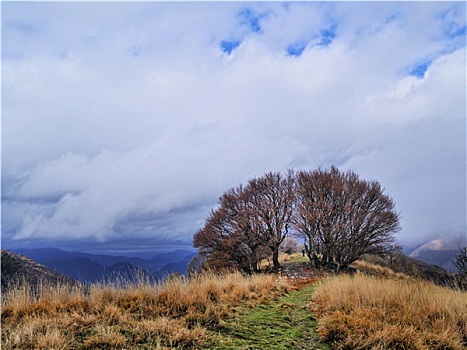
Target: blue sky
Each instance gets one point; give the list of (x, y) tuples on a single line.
[(122, 122)]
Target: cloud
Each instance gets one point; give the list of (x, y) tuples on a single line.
[(125, 120), (421, 152)]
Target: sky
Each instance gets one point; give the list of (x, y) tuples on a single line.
[(124, 122)]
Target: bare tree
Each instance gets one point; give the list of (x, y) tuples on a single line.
[(339, 216), (461, 262), (231, 237), (342, 217), (273, 201)]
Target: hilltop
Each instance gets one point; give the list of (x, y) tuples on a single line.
[(17, 268), (438, 252)]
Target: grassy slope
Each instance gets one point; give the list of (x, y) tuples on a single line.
[(363, 312), (285, 323), (179, 314), (234, 312)]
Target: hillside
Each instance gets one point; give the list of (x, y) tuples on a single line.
[(409, 266), (181, 313), (17, 268), (369, 306), (397, 312)]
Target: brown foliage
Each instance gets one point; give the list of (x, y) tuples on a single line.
[(342, 217), (461, 261), (273, 202), (250, 223)]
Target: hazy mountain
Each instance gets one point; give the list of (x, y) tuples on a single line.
[(437, 252), (169, 257), (53, 254), (17, 268), (180, 267), (435, 245), (86, 267), (82, 269), (126, 272)]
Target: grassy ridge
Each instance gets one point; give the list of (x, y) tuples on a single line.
[(362, 312), (180, 313), (385, 311)]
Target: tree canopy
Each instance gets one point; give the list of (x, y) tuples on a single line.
[(342, 217), (338, 216)]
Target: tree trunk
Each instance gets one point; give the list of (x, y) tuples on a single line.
[(275, 258)]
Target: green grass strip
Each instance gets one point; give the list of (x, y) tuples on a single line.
[(282, 324)]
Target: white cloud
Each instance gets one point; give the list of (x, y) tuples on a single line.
[(422, 149), (124, 119)]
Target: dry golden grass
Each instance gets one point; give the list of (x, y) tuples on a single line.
[(371, 269), (179, 313), (283, 257), (364, 312)]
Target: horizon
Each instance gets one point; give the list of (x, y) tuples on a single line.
[(123, 123), (128, 254), (150, 251)]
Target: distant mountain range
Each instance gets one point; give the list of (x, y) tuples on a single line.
[(67, 266), (438, 252), (91, 268)]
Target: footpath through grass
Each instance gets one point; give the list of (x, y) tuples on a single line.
[(285, 323)]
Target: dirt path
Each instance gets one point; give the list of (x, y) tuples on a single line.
[(298, 273), (282, 324)]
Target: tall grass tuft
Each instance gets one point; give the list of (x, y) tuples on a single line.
[(177, 313), (363, 312)]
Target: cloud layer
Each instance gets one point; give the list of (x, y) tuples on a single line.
[(127, 121)]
